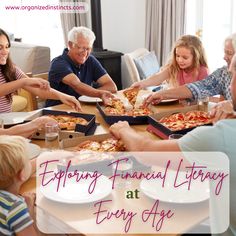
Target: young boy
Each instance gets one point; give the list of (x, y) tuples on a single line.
[(15, 169)]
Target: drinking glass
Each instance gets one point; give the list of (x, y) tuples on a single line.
[(52, 136), (203, 104), (175, 136)]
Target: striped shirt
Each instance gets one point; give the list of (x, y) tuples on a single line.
[(14, 214), (5, 103)]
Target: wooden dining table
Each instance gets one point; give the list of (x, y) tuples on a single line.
[(66, 219)]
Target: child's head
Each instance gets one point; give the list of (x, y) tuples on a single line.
[(14, 161), (193, 45), (188, 54)]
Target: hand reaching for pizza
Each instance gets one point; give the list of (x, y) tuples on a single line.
[(223, 110), (107, 98), (138, 85), (153, 98)]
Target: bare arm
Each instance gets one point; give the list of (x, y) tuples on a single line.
[(28, 129), (73, 81), (181, 92), (153, 80), (106, 83), (135, 142), (12, 86)]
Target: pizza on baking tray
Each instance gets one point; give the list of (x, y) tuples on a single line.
[(107, 145), (116, 107), (68, 122), (190, 119)]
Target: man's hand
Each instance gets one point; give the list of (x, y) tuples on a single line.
[(119, 127), (71, 101), (107, 97), (223, 110)]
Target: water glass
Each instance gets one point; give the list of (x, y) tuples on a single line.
[(203, 104), (1, 123), (123, 167), (52, 136), (175, 136)]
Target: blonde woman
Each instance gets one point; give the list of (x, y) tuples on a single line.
[(187, 64)]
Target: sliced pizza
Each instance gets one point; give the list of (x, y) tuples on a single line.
[(180, 121), (131, 95), (107, 145), (68, 122)]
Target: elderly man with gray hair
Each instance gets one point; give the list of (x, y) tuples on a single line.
[(76, 70)]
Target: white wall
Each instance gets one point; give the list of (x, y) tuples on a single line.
[(123, 24)]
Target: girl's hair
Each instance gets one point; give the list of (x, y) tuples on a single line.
[(13, 157), (8, 70), (194, 44)]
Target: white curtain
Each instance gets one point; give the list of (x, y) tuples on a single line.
[(70, 20), (165, 22)]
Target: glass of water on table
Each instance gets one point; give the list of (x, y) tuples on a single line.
[(52, 136)]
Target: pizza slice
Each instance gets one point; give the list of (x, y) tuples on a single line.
[(131, 95)]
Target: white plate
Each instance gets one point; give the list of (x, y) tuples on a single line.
[(89, 99), (13, 118), (198, 192), (77, 192), (34, 150), (169, 100)]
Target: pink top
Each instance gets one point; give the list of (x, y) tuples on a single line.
[(187, 77), (5, 103)]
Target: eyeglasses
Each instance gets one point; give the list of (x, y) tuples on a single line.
[(82, 49)]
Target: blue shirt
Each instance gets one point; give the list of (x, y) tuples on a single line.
[(216, 83), (62, 66), (217, 138)]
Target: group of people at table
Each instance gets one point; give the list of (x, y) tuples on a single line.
[(76, 72)]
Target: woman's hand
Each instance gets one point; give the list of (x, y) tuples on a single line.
[(36, 83), (153, 99), (70, 101)]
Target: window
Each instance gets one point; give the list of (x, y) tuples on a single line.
[(214, 21), (34, 27)]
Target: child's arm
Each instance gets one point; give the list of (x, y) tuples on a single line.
[(153, 80)]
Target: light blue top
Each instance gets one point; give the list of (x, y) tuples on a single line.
[(218, 138)]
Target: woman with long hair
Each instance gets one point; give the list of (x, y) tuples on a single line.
[(12, 79)]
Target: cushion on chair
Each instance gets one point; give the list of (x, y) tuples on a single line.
[(30, 58), (19, 103), (147, 65)]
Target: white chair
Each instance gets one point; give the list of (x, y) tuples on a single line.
[(129, 70)]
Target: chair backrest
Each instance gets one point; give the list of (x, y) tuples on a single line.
[(129, 70)]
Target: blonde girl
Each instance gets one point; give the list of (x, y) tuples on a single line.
[(187, 64)]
